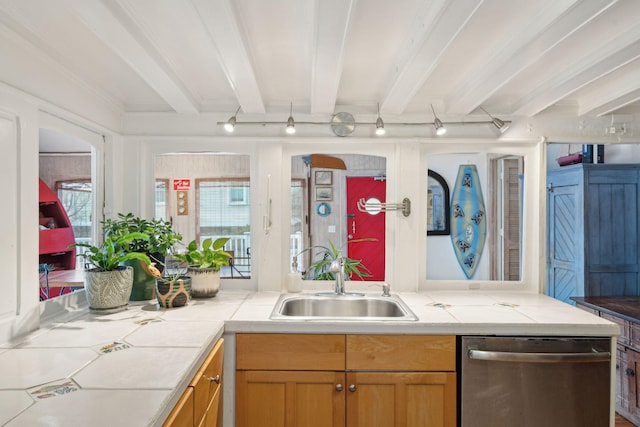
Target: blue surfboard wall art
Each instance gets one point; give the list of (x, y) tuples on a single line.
[(468, 219)]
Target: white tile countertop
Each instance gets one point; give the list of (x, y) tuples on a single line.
[(130, 368)]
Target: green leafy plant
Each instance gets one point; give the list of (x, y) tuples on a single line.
[(162, 237), (112, 252), (319, 269), (210, 256)]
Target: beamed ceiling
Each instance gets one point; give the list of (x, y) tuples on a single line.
[(515, 58)]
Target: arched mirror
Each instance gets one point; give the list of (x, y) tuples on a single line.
[(486, 214), (325, 190)]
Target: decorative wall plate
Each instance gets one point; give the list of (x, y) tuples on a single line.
[(343, 124)]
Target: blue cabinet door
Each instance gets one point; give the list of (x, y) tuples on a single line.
[(565, 236)]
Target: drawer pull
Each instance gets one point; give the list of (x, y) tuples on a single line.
[(352, 388), (215, 379), (630, 372), (339, 387)]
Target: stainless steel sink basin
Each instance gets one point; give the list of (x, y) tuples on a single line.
[(341, 307)]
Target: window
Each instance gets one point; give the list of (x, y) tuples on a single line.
[(76, 197), (238, 195), (161, 208), (224, 211), (296, 232)]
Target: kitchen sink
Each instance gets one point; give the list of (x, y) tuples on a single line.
[(341, 307)]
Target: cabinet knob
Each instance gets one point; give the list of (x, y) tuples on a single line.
[(630, 372), (215, 379), (352, 387), (339, 387)]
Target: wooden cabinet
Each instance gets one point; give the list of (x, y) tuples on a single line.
[(345, 380), (201, 403), (592, 231), (627, 352)]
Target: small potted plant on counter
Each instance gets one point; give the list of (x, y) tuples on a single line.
[(204, 265), (325, 255), (108, 283), (161, 241)]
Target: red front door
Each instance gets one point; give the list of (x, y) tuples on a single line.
[(363, 225)]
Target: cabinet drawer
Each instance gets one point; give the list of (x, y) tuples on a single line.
[(401, 352), (624, 328), (207, 381), (290, 352)]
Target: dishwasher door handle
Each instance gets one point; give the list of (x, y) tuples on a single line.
[(507, 356)]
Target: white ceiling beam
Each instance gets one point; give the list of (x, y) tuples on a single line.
[(113, 32), (557, 21), (227, 38), (620, 89), (438, 24), (613, 55), (616, 104), (331, 26)]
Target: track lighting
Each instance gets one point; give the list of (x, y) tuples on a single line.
[(440, 129), (500, 124), (291, 127), (230, 125), (379, 124)]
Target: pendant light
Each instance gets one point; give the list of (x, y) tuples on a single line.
[(231, 123), (500, 124), (440, 129), (379, 124), (291, 126)]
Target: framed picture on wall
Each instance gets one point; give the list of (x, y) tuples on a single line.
[(324, 177), (324, 194)]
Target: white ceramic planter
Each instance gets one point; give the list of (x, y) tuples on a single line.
[(205, 282), (108, 291)]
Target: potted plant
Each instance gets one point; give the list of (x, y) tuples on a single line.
[(173, 289), (108, 283), (161, 241), (204, 265), (319, 269)]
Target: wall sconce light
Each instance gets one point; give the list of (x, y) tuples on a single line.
[(230, 125), (291, 127), (440, 129), (379, 124), (500, 124)]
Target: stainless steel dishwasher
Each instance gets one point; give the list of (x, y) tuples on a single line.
[(535, 382)]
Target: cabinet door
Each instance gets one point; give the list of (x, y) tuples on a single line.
[(289, 399), (208, 381), (565, 239), (182, 413), (611, 241), (622, 383), (633, 382), (401, 399)]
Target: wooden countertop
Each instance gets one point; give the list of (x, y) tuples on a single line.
[(625, 307), (64, 278)]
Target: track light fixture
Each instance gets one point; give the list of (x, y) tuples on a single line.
[(230, 125), (500, 124), (291, 126), (379, 124), (440, 129)]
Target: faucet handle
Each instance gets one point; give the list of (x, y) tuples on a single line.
[(385, 288)]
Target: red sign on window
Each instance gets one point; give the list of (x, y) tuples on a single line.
[(181, 184)]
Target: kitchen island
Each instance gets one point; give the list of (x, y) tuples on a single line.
[(131, 368)]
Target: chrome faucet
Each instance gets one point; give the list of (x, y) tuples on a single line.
[(337, 268)]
